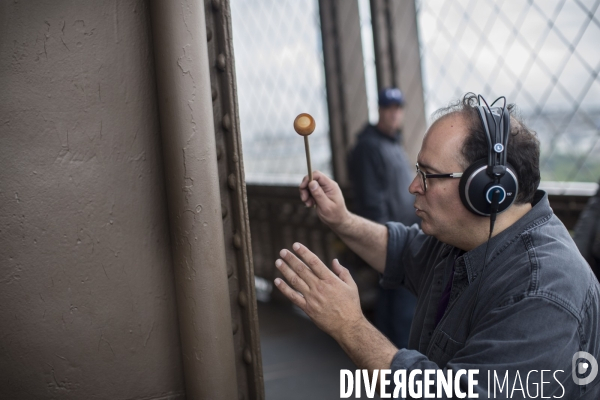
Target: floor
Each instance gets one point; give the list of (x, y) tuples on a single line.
[(299, 360)]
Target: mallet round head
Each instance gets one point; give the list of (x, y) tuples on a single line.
[(304, 124)]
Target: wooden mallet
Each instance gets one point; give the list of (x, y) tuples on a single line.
[(304, 125)]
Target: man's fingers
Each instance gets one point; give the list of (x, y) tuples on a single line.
[(290, 293), (304, 182), (291, 276), (305, 192), (313, 262), (303, 271), (342, 272), (317, 193)]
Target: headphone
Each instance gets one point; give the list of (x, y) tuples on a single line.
[(489, 186)]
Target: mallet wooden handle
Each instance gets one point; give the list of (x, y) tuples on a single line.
[(304, 125), (307, 149)]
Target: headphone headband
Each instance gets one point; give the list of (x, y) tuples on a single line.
[(496, 125)]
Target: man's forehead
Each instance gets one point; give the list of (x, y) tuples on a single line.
[(443, 142)]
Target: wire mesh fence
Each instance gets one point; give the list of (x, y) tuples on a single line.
[(541, 54), (280, 74)]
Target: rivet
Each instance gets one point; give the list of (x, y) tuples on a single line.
[(223, 211), (237, 241), (214, 93), (229, 271), (236, 158), (221, 62), (231, 181), (242, 299), (219, 152), (208, 34), (247, 356), (216, 4), (235, 327), (226, 122)]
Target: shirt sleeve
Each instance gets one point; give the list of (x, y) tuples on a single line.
[(502, 342), (409, 253), (369, 182)]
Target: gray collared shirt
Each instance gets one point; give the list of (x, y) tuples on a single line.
[(539, 304)]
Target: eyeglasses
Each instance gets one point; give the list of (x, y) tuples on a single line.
[(424, 176)]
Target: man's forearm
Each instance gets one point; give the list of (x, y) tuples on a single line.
[(366, 238), (366, 346)]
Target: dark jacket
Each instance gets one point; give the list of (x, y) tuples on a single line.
[(587, 233), (538, 305), (380, 174)]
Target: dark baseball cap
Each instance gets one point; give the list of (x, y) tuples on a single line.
[(391, 96)]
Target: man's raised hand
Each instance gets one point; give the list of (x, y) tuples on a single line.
[(328, 297), (326, 194)]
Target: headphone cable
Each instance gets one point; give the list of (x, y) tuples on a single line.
[(493, 213)]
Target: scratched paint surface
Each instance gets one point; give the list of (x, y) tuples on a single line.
[(86, 286)]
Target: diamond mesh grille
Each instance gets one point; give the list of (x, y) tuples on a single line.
[(280, 74), (541, 54)]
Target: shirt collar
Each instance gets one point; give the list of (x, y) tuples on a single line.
[(539, 213)]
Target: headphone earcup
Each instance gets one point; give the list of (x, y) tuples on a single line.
[(475, 188)]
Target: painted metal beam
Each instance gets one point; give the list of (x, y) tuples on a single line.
[(234, 208), (192, 182), (398, 63), (345, 78)]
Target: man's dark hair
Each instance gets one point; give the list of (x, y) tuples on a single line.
[(523, 151)]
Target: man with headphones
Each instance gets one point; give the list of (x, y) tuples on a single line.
[(501, 286)]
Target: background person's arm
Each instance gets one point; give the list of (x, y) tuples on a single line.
[(367, 174)]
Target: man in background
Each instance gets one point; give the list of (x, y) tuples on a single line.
[(380, 173)]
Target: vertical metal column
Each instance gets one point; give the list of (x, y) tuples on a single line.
[(345, 78), (232, 186), (192, 180), (398, 63)]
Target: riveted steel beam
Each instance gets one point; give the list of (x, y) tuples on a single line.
[(234, 209), (398, 63), (192, 179), (345, 78)]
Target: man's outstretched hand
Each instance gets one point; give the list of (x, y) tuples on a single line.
[(328, 297), (326, 194)]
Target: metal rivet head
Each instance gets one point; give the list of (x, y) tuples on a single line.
[(248, 356), (229, 271), (208, 34), (226, 122), (237, 241), (235, 158), (221, 62), (231, 181), (214, 93), (216, 5), (243, 299), (235, 327)]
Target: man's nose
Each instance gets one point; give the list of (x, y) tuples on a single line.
[(415, 186)]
